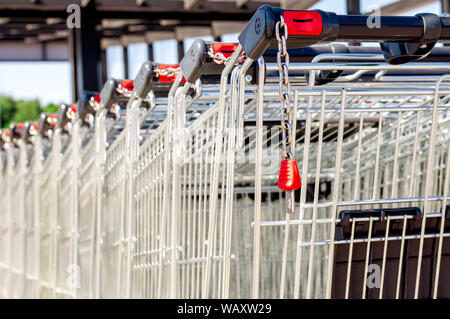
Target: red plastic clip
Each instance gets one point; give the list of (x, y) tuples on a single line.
[(20, 126), (73, 108), (289, 177), (35, 126), (303, 22), (97, 98), (127, 85), (53, 119), (226, 49)]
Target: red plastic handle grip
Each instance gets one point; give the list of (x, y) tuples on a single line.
[(53, 118), (97, 98), (303, 22), (127, 85), (226, 49)]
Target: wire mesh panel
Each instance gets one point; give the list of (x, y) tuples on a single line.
[(6, 222), (18, 226), (193, 169), (48, 219), (87, 220), (32, 213), (366, 139), (254, 159), (67, 267), (113, 269), (30, 249), (148, 148), (3, 225), (360, 168), (34, 235), (148, 201)]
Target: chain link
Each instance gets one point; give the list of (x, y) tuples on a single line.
[(219, 57), (124, 91), (169, 72), (281, 34), (34, 129), (71, 115), (52, 120)]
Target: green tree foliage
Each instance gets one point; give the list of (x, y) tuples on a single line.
[(7, 110), (50, 108), (19, 111), (26, 111)]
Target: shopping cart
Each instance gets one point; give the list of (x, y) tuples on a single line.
[(4, 215), (145, 103), (17, 173), (67, 208), (170, 186), (372, 158), (48, 179), (175, 262), (31, 209), (89, 196)]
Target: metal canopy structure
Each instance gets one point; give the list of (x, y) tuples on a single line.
[(45, 20), (36, 30)]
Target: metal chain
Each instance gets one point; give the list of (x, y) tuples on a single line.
[(219, 57), (285, 87), (71, 115), (34, 129), (5, 136), (124, 92), (169, 72), (94, 104), (52, 120)]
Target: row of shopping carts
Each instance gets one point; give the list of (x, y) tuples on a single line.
[(170, 186)]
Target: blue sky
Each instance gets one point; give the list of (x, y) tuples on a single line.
[(50, 81)]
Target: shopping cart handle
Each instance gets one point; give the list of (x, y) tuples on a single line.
[(86, 105), (30, 129), (306, 54), (311, 27), (194, 61), (61, 118), (15, 129), (113, 94), (362, 217), (205, 59), (46, 123), (305, 28), (399, 52), (108, 93), (4, 138), (15, 132), (347, 215), (148, 79), (144, 79)]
